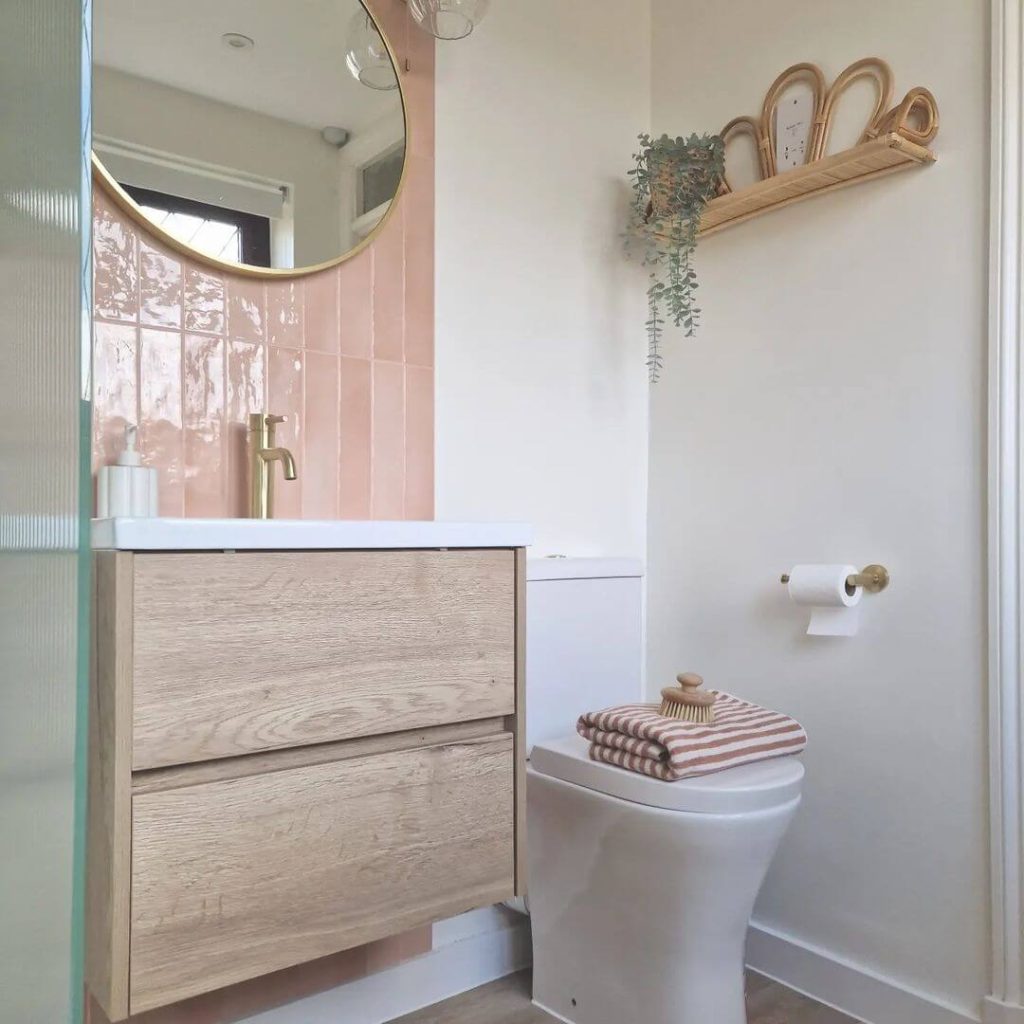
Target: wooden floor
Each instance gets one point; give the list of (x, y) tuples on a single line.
[(508, 1002)]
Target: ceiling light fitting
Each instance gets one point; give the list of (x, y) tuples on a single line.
[(448, 19), (367, 56)]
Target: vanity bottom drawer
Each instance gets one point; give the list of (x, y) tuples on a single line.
[(236, 878)]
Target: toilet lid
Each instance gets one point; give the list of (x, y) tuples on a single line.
[(751, 787)]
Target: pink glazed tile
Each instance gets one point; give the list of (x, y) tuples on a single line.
[(204, 301), (160, 435), (285, 383), (203, 396), (160, 291), (355, 438), (356, 328), (246, 393), (115, 390), (418, 199), (285, 313), (389, 291), (419, 443), (393, 20), (388, 458), (321, 451), (246, 380), (115, 248), (419, 94), (322, 293), (247, 309)]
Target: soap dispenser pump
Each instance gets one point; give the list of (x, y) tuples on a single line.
[(127, 489)]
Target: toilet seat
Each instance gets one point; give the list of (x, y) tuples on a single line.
[(751, 787)]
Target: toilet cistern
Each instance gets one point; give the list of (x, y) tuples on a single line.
[(263, 453)]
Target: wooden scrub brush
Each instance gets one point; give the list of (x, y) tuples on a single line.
[(685, 703)]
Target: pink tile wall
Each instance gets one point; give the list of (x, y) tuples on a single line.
[(347, 355)]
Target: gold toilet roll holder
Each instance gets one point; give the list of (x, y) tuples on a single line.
[(873, 578)]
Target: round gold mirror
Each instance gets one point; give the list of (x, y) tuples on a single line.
[(266, 137)]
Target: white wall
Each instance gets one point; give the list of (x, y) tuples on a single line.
[(541, 392), (832, 409)]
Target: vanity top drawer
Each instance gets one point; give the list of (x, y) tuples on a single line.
[(254, 651)]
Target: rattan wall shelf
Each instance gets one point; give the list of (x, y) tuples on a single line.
[(884, 155)]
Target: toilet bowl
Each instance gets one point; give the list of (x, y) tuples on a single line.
[(639, 891)]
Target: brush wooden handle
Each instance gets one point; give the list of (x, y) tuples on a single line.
[(687, 691)]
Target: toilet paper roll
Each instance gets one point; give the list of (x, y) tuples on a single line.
[(822, 588)]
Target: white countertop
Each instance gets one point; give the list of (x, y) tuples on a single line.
[(300, 534)]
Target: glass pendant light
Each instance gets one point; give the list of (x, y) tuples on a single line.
[(366, 55), (448, 19)]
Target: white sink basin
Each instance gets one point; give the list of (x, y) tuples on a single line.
[(301, 534)]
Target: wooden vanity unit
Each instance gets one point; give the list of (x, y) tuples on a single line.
[(294, 752)]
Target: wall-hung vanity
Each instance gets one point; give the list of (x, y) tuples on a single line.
[(303, 737)]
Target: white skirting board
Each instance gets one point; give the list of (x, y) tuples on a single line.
[(995, 1012), (846, 987), (469, 952), (483, 946)]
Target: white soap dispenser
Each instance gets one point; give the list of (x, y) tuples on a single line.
[(127, 489)]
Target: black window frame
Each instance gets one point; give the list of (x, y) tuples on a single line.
[(253, 230)]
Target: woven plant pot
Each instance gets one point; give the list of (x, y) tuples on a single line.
[(676, 179)]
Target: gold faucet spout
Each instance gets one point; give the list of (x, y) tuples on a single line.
[(263, 453), (283, 456)]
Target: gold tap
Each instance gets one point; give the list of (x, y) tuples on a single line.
[(262, 455)]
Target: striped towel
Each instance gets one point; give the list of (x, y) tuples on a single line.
[(637, 737)]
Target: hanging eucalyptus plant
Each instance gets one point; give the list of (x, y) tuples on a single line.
[(672, 181)]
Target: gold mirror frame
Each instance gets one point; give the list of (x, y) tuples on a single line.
[(103, 178)]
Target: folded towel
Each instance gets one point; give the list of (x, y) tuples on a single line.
[(637, 737)]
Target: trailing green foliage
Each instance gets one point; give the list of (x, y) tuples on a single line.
[(672, 181)]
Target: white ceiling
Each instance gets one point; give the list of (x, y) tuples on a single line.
[(296, 71)]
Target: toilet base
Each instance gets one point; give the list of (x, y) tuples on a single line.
[(551, 1013), (640, 914), (720, 999)]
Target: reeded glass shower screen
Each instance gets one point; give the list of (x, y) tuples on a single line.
[(44, 486)]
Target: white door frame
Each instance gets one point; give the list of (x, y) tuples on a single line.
[(1005, 1005)]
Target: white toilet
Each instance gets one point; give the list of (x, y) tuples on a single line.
[(640, 891)]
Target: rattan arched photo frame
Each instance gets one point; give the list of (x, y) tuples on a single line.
[(915, 118)]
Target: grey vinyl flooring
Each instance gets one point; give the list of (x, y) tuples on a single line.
[(508, 1002)]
